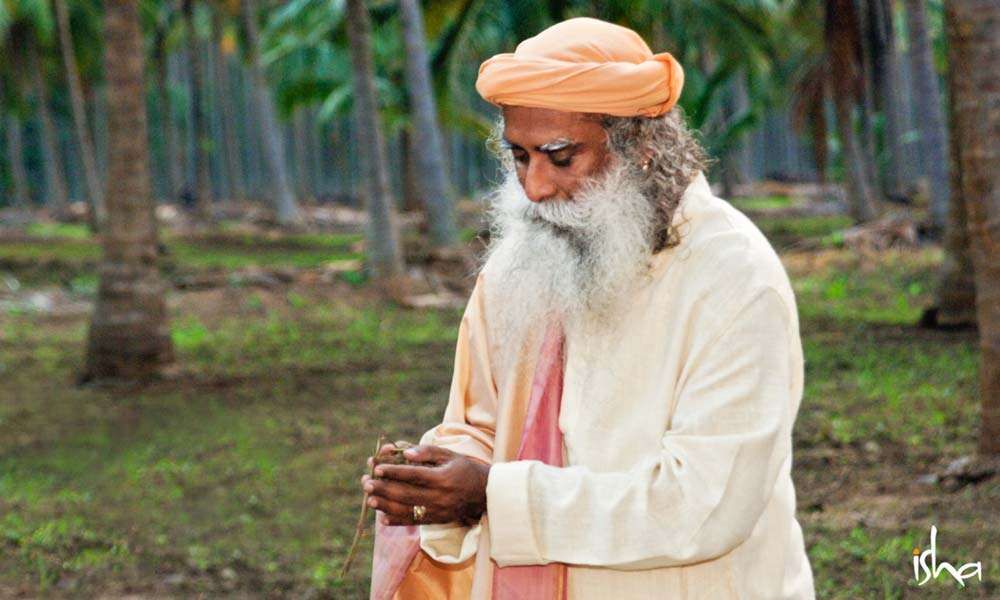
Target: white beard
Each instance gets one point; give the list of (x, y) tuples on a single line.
[(578, 261)]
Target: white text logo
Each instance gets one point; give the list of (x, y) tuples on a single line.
[(934, 569)]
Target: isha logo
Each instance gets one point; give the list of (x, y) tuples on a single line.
[(920, 563)]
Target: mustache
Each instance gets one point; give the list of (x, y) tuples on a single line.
[(575, 211), (575, 258)]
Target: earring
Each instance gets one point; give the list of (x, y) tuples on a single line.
[(645, 166)]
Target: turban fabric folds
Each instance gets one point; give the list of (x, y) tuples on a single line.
[(584, 65)]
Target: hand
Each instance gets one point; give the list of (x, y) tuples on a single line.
[(451, 486)]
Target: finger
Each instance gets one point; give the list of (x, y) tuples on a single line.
[(403, 493), (413, 474), (384, 452), (384, 519), (427, 453), (391, 508), (395, 521)]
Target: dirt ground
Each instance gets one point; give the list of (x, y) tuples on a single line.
[(236, 475)]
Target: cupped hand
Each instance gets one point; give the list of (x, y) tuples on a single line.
[(450, 485)]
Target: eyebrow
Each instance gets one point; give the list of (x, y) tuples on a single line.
[(548, 147)]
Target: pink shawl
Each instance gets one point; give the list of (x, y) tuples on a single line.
[(541, 439)]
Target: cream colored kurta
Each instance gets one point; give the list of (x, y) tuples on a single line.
[(677, 432)]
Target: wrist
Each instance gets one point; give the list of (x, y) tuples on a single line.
[(477, 505)]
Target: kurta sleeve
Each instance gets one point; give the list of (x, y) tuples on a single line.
[(468, 426), (695, 497)]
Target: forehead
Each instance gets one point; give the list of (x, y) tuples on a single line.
[(530, 127)]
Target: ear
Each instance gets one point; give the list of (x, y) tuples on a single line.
[(647, 160)]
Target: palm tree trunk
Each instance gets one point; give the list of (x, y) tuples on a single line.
[(199, 122), (129, 335), (412, 198), (867, 104), (385, 252), (171, 160), (316, 131), (974, 41), (219, 174), (286, 207), (98, 104), (233, 162), (249, 132), (55, 176), (930, 116), (86, 144), (15, 155), (885, 67), (426, 144), (955, 297), (728, 173), (818, 139), (741, 152), (955, 302), (311, 149), (300, 141), (845, 79), (860, 197)]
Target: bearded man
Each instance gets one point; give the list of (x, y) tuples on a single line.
[(628, 367)]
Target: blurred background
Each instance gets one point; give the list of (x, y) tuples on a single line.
[(236, 238)]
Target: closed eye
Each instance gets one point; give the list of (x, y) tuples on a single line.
[(561, 158)]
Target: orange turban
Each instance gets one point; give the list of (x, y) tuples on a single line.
[(584, 65)]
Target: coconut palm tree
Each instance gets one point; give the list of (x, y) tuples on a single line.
[(26, 33), (285, 204), (304, 41), (15, 158), (55, 173), (426, 145), (202, 188), (384, 250), (955, 297), (161, 19), (95, 189), (930, 115), (844, 85), (222, 39), (15, 149), (888, 95), (129, 336), (974, 43)]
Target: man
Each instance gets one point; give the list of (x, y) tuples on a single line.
[(628, 368)]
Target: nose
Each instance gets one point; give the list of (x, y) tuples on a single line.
[(538, 184)]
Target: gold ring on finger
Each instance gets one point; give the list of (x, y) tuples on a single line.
[(419, 512)]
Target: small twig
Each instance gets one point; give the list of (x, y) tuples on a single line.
[(359, 530)]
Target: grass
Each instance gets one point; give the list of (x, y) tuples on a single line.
[(762, 203), (818, 230), (239, 475), (849, 288), (66, 253), (71, 231), (200, 255), (242, 471)]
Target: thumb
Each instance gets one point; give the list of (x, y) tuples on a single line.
[(426, 453)]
